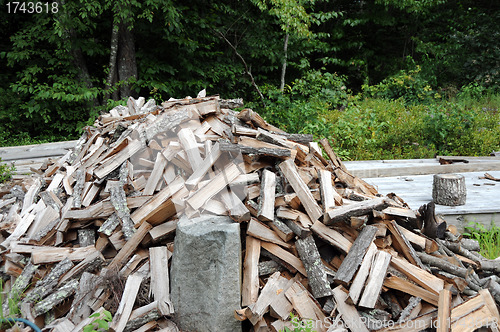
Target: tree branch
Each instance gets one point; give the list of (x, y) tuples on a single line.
[(245, 64)]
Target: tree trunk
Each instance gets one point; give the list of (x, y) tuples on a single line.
[(449, 189), (112, 59), (127, 66), (283, 69)]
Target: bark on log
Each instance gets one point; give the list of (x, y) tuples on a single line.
[(316, 273), (449, 189)]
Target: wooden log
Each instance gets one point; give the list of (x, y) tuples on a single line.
[(116, 160), (159, 288), (329, 196), (286, 256), (247, 115), (376, 279), (250, 287), (202, 169), (418, 275), (156, 174), (161, 231), (407, 287), (267, 194), (290, 172), (214, 186), (432, 228), (316, 274), (55, 298), (83, 296), (260, 151), (345, 212), (293, 214), (349, 313), (305, 305), (269, 267), (89, 264), (47, 254), (121, 258), (282, 229), (260, 231), (190, 146), (355, 256), (449, 189), (358, 284), (237, 210), (275, 283), (127, 301), (402, 245), (146, 315), (442, 264), (119, 200), (331, 236), (21, 283), (47, 284), (444, 311)]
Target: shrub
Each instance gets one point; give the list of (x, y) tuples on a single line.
[(6, 172)]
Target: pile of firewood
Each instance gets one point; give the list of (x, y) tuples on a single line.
[(89, 233)]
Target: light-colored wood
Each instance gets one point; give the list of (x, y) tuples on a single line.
[(260, 231), (478, 311), (350, 315), (36, 150), (407, 287), (250, 287), (419, 276), (331, 236), (290, 172), (121, 258), (274, 284), (375, 280), (449, 189), (156, 174), (237, 210), (155, 203), (444, 311), (267, 194), (400, 212), (158, 260), (163, 230), (188, 142), (303, 303), (116, 160), (286, 256), (355, 256), (329, 196), (292, 214), (344, 212), (358, 284), (402, 245), (48, 254), (214, 186), (203, 168), (127, 301)]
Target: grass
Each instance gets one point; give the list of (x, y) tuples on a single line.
[(489, 239), (6, 172)]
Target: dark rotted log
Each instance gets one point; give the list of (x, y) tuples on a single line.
[(431, 227)]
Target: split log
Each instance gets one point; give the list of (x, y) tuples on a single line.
[(250, 287), (267, 194), (444, 311), (57, 297), (127, 301), (345, 212), (316, 274), (375, 280), (350, 315), (355, 256)]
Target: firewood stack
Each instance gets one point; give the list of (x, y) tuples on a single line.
[(93, 231)]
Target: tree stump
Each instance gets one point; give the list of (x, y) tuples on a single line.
[(449, 189)]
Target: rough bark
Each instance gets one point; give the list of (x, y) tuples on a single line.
[(127, 66)]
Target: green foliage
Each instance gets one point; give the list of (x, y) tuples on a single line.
[(303, 104), (13, 305), (6, 172), (100, 323), (406, 84), (489, 239)]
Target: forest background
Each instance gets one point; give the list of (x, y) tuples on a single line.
[(382, 79)]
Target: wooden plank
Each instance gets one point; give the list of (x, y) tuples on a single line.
[(349, 313), (44, 150), (156, 174), (407, 287), (203, 168), (127, 301), (158, 261), (444, 311), (401, 244), (375, 280), (286, 256), (260, 231), (358, 284), (250, 286), (190, 146), (214, 186), (47, 254), (345, 212), (418, 275), (123, 255), (355, 256), (267, 196), (316, 273), (329, 196), (154, 204), (331, 236), (274, 284), (290, 172)]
